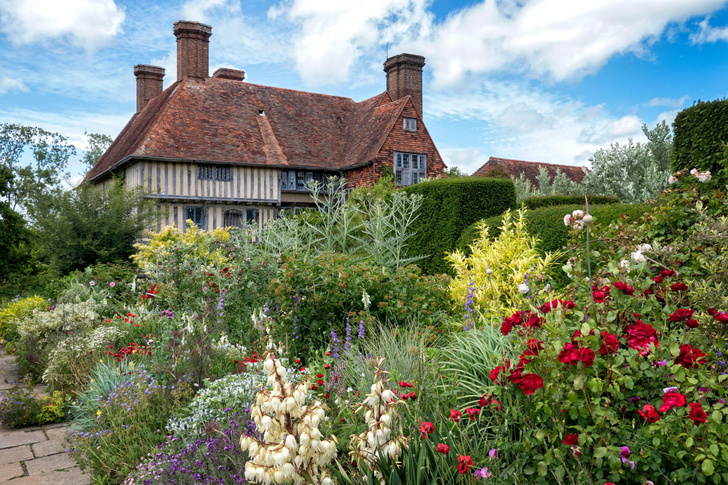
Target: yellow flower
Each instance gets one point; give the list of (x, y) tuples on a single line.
[(98, 413)]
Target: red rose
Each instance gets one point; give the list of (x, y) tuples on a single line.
[(658, 279), (570, 354), (610, 343), (682, 314), (515, 376), (571, 440), (455, 415), (649, 413), (533, 321), (534, 345), (526, 357), (722, 317), (624, 288), (712, 312), (671, 400), (587, 356), (529, 383), (641, 335), (679, 287), (484, 400), (692, 323), (442, 448), (697, 414), (494, 373), (667, 273), (506, 326), (690, 357), (600, 294)]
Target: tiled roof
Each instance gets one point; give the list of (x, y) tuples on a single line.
[(236, 122), (530, 169)]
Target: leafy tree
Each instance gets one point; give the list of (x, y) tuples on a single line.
[(93, 224), (98, 143), (634, 172), (14, 235), (32, 182), (455, 172), (560, 185)]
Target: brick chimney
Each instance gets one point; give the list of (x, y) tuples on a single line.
[(149, 83), (404, 77), (193, 42), (231, 74)]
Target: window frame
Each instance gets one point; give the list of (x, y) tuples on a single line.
[(216, 172), (196, 208), (409, 124), (411, 170)]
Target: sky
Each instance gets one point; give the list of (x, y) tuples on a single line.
[(541, 80)]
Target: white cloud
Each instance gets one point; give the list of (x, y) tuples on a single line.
[(467, 160), (707, 34), (556, 39), (668, 102), (333, 35), (527, 123), (8, 85), (90, 24)]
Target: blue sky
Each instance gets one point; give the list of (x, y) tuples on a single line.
[(543, 80)]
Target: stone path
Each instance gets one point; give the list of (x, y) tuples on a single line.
[(37, 455)]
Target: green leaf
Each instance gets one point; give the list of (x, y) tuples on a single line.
[(579, 382), (572, 397), (674, 349), (689, 442), (714, 449), (708, 468), (600, 452), (716, 416), (542, 468)]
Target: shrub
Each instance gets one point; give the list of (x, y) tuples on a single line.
[(20, 407), (316, 296), (15, 312), (494, 275), (612, 386), (449, 206), (129, 424), (547, 223), (533, 203), (700, 134)]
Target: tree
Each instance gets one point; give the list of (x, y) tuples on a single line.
[(93, 224), (42, 178), (98, 143), (634, 172), (14, 235), (455, 172)]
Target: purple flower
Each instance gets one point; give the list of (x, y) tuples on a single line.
[(493, 453), (624, 455), (361, 329), (483, 473)]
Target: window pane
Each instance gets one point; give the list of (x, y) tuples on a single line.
[(415, 177), (233, 218), (309, 176), (405, 160), (398, 159), (251, 216), (406, 178), (398, 177), (292, 180), (284, 180)]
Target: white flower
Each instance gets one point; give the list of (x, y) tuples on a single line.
[(624, 263), (365, 299), (694, 171), (638, 257), (567, 219), (523, 288), (578, 224), (349, 389), (704, 177), (671, 180), (644, 248), (92, 283), (579, 214)]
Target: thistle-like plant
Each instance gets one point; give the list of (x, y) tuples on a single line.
[(379, 414), (292, 447)]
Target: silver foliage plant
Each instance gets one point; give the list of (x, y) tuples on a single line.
[(634, 172), (380, 232)]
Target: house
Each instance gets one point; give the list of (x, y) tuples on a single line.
[(219, 151), (529, 169)]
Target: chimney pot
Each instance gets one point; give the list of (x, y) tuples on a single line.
[(193, 53), (404, 77), (150, 80), (227, 73)]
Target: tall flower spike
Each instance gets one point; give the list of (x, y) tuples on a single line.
[(292, 445), (379, 413)]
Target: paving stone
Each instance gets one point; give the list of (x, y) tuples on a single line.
[(58, 433), (10, 471), (16, 454), (17, 437), (70, 476), (50, 447), (49, 463)]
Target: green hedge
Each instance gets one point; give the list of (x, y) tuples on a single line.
[(548, 223), (699, 132), (449, 206), (533, 203)]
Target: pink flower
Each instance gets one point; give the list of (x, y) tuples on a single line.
[(112, 284), (484, 473)]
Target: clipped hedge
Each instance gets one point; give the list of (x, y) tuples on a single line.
[(548, 223), (533, 203), (699, 133), (449, 206)]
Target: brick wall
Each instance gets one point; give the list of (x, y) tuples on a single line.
[(400, 141)]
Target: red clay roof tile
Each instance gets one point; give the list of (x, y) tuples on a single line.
[(530, 169)]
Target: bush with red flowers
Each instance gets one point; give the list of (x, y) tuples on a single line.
[(624, 365)]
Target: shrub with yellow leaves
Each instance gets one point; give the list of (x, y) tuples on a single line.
[(500, 271), (292, 448)]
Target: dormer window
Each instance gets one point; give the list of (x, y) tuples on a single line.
[(410, 124)]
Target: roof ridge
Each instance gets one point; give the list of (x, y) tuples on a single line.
[(298, 91)]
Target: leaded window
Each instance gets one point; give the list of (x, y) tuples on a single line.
[(409, 168)]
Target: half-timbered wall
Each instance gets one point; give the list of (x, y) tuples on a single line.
[(175, 214), (169, 179)]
